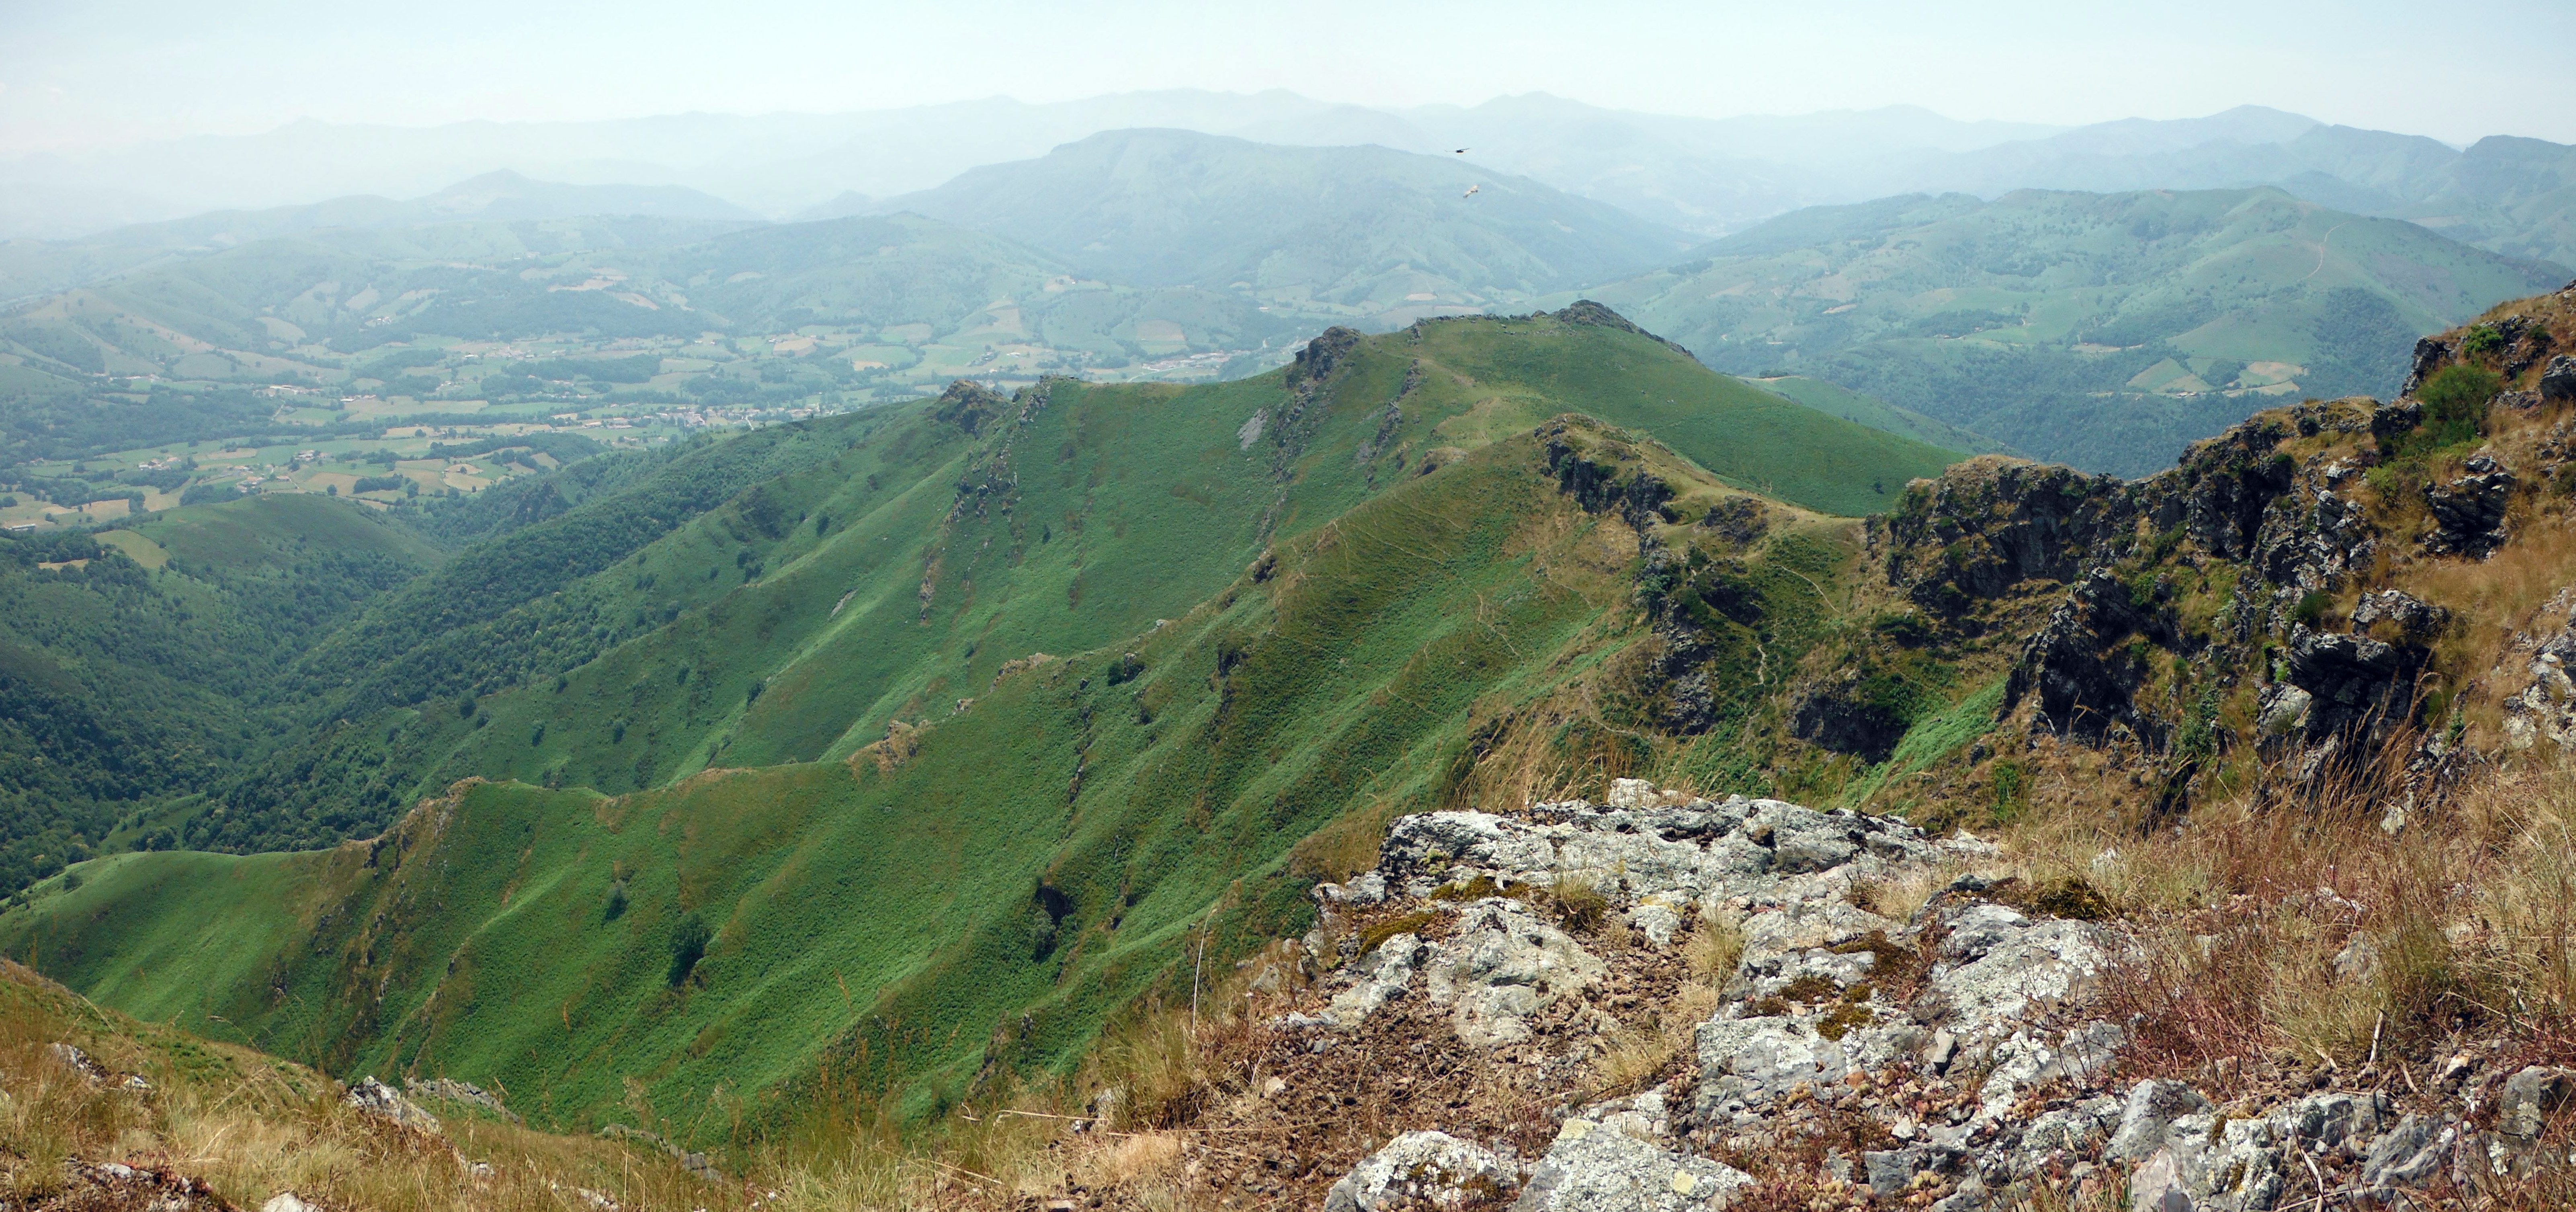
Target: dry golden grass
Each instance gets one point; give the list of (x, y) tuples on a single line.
[(2292, 929), (253, 1127)]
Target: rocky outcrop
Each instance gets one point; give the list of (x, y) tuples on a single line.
[(1962, 1041), (1585, 311), (2543, 707), (2336, 682), (375, 1098), (2558, 382), (970, 406), (1420, 1169), (2468, 512), (1993, 524)]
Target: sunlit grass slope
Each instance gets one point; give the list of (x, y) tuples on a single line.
[(1041, 860), (784, 600)]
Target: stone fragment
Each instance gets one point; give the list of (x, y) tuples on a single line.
[(2530, 1098), (2152, 1107), (1592, 1168), (376, 1098), (2406, 1154), (1431, 1168)]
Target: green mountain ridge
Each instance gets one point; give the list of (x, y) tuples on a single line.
[(1274, 604), (2101, 330)]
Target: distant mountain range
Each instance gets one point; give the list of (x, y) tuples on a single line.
[(1382, 234), (1706, 176), (2103, 330)]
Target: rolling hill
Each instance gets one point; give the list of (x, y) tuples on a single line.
[(1087, 670), (764, 599), (1364, 232), (2104, 330)]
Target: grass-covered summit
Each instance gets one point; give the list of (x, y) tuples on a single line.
[(916, 744)]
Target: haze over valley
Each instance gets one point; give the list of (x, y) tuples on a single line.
[(1675, 607)]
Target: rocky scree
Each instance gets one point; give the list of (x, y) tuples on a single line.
[(1951, 1058)]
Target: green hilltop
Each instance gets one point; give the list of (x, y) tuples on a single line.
[(957, 723), (2103, 330), (784, 595)]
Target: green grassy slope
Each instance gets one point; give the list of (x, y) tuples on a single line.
[(1272, 604), (2103, 330), (146, 663), (1833, 399), (783, 596), (1039, 862)]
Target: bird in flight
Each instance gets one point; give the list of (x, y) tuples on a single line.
[(1460, 152), (1471, 191)]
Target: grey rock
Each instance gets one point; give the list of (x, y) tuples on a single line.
[(1889, 1170), (76, 1060), (1379, 977), (2156, 1186), (2412, 616), (1504, 963), (1592, 1168), (2558, 380), (2530, 1098), (2406, 1154), (2285, 709), (2152, 1107), (1746, 1062), (2468, 512), (2229, 1166), (1997, 969), (378, 1099), (2028, 1058), (2331, 1121), (1433, 1167)]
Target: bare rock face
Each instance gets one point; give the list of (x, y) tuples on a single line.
[(1835, 1014), (1422, 1168), (1597, 1167), (2468, 512), (2558, 381), (378, 1099)]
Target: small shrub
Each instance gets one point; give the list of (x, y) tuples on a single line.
[(2311, 610), (1476, 889), (2455, 407), (616, 907), (1578, 902), (689, 942), (1410, 923)]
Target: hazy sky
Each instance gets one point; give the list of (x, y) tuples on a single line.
[(107, 71)]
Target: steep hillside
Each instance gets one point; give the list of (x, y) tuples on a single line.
[(2102, 330), (1402, 503), (786, 595), (2278, 737), (1363, 232), (1838, 400), (142, 664)]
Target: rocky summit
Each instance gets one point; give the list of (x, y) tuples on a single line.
[(1922, 1030)]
